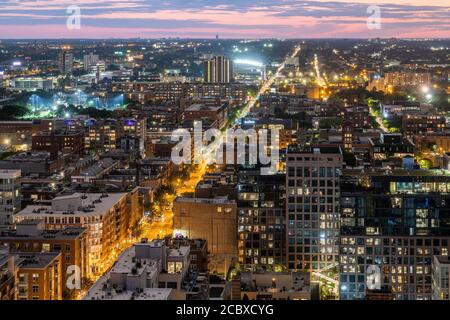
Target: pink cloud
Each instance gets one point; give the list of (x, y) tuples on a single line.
[(253, 21)]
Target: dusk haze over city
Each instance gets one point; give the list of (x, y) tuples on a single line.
[(230, 19), (223, 159)]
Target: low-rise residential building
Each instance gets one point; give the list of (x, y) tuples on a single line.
[(214, 113), (358, 116), (37, 162), (274, 286), (16, 134), (31, 236), (430, 139), (96, 171), (40, 276), (152, 271), (71, 142), (413, 124), (390, 149), (109, 218), (210, 219), (8, 276), (31, 84)]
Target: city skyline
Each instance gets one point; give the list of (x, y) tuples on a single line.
[(228, 19), (224, 170)]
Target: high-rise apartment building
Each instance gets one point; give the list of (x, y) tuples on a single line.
[(65, 62), (392, 225), (261, 201), (218, 70), (312, 214), (10, 199)]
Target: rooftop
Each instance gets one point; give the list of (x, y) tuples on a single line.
[(101, 291), (195, 244), (98, 167), (36, 156), (156, 161), (182, 251), (295, 149), (38, 260), (202, 107), (136, 261), (276, 281), (67, 234), (397, 172), (88, 204), (64, 133), (127, 262), (217, 200), (9, 174), (30, 222), (443, 259)]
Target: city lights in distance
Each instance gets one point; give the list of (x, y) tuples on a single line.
[(249, 62)]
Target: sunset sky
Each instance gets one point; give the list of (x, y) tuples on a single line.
[(229, 19)]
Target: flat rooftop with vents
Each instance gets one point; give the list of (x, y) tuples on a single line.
[(77, 204)]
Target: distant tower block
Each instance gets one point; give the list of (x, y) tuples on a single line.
[(218, 70)]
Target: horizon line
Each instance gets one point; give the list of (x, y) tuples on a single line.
[(243, 38)]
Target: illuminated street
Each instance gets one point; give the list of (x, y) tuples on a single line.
[(164, 225), (379, 121)]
